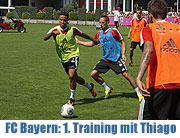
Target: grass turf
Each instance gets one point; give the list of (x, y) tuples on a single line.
[(34, 86)]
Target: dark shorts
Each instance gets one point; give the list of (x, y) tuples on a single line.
[(103, 66), (71, 64), (116, 23), (134, 44), (162, 105)]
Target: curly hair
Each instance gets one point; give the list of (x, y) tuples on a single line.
[(65, 14)]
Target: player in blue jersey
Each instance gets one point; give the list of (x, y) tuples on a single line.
[(113, 49)]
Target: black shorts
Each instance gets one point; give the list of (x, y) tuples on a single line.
[(134, 44), (103, 66), (162, 105), (71, 64), (116, 23)]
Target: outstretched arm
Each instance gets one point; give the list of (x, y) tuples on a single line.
[(145, 59), (96, 41), (49, 34), (84, 43)]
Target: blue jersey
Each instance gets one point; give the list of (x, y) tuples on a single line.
[(111, 48)]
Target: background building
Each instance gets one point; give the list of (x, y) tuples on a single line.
[(57, 4), (90, 5), (126, 5)]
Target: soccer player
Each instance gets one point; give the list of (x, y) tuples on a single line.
[(116, 17), (113, 49), (161, 56), (176, 18), (138, 23), (68, 52)]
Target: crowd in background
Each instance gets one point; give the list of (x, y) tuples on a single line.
[(131, 14), (144, 14)]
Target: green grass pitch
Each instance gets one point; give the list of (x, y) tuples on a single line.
[(34, 86)]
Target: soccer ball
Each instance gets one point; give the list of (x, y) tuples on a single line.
[(67, 110)]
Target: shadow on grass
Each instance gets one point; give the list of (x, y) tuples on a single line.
[(93, 100), (11, 32), (89, 100), (134, 65), (124, 94), (73, 117)]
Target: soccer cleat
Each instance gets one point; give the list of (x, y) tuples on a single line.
[(130, 64), (92, 90), (71, 102), (108, 92), (140, 98)]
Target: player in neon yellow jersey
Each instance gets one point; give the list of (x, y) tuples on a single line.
[(68, 52)]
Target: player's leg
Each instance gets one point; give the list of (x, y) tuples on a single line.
[(174, 113), (119, 67), (133, 84), (117, 25), (101, 67), (132, 47), (161, 105), (70, 68), (178, 106), (90, 86), (115, 22), (130, 56), (130, 79), (95, 75), (71, 75)]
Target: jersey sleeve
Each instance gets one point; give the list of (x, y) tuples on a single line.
[(76, 31), (51, 30), (146, 35), (117, 35), (97, 35)]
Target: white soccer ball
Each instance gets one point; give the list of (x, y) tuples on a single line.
[(67, 110)]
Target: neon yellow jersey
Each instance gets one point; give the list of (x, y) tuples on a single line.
[(66, 46)]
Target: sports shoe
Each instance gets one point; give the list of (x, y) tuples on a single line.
[(71, 102), (108, 92), (130, 64), (92, 90), (140, 98)]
